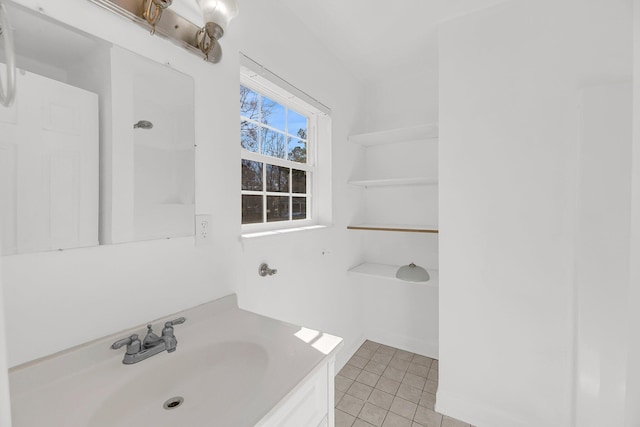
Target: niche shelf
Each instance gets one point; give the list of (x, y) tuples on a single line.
[(402, 154), (389, 182), (385, 271), (397, 228), (423, 133)]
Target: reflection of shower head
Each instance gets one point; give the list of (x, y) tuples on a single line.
[(143, 124)]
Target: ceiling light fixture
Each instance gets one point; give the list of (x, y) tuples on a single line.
[(158, 16), (217, 15), (7, 94), (153, 11)]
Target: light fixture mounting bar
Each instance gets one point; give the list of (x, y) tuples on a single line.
[(171, 26)]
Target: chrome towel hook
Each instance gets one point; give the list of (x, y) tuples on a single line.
[(7, 95)]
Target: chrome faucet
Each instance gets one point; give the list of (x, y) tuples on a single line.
[(264, 270), (152, 344)]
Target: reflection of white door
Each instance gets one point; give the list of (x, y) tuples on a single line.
[(48, 167), (5, 404), (153, 193)]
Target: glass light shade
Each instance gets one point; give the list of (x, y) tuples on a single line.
[(219, 12), (412, 273), (188, 9)]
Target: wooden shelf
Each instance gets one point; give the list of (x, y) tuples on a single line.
[(398, 228), (389, 272), (388, 182), (427, 132)]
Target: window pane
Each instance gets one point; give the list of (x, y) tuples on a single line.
[(248, 103), (297, 124), (299, 210), (249, 136), (273, 144), (273, 114), (277, 208), (298, 181), (251, 209), (277, 179), (297, 150), (251, 175)]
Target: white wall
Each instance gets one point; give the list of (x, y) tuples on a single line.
[(311, 287), (510, 153), (406, 97), (87, 293), (602, 254), (632, 411), (401, 314)]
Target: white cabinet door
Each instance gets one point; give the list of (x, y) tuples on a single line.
[(49, 167), (306, 408)]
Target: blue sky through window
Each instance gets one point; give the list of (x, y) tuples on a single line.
[(297, 122), (287, 141), (278, 117), (273, 114)]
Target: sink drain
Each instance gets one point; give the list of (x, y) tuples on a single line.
[(173, 403)]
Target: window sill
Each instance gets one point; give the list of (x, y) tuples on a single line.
[(280, 232)]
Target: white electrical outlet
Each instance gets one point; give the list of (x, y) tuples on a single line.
[(203, 230)]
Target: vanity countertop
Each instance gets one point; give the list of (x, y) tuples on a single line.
[(232, 368)]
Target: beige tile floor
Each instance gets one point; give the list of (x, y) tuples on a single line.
[(382, 386)]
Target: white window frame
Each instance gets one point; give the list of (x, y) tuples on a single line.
[(267, 84)]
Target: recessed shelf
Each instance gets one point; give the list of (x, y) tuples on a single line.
[(386, 271), (388, 182), (427, 132), (398, 228)]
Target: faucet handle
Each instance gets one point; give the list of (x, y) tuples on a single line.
[(174, 322), (167, 331), (132, 343)]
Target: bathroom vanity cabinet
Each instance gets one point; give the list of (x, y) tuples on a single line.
[(398, 171), (231, 368), (311, 403)]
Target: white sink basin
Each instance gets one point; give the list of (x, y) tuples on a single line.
[(215, 382), (231, 367)]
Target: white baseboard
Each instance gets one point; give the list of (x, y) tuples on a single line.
[(414, 345), (425, 348), (479, 414)]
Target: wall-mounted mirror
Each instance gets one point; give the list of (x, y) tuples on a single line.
[(98, 147)]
